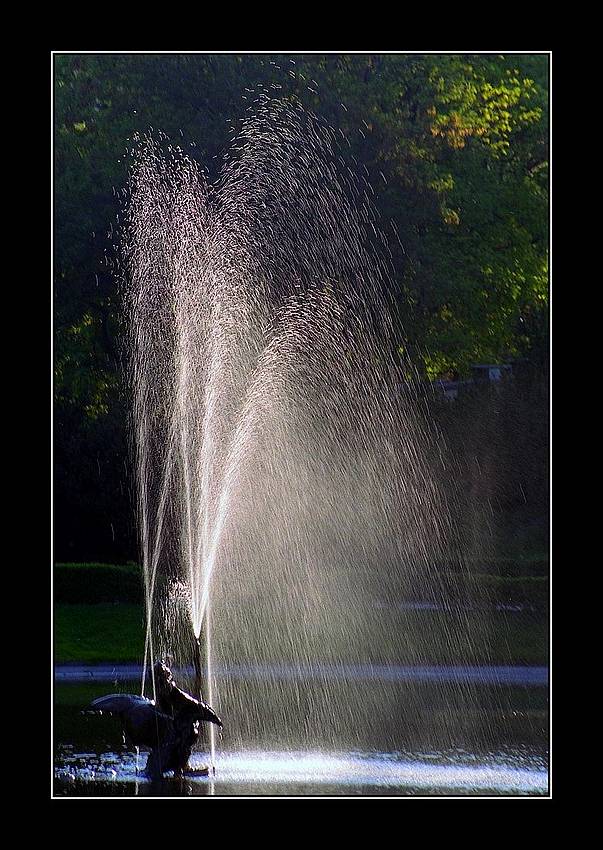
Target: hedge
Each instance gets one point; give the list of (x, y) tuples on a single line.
[(95, 583)]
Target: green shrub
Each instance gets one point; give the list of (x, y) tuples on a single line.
[(96, 583)]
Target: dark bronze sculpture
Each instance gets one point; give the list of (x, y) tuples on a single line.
[(169, 726)]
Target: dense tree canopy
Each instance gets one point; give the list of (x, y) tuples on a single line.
[(456, 148)]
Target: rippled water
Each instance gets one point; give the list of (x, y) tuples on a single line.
[(314, 773), (500, 749)]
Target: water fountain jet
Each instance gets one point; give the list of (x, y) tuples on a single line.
[(282, 460)]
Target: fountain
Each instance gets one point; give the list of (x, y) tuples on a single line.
[(289, 484)]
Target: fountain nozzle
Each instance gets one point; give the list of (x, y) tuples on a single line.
[(198, 664)]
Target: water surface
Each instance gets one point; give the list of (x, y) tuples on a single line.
[(471, 737)]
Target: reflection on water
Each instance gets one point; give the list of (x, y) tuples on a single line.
[(287, 773)]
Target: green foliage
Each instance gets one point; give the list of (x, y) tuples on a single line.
[(456, 147), (462, 144), (460, 140)]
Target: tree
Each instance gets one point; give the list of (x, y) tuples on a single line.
[(454, 151)]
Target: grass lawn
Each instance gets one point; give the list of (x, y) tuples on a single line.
[(96, 633), (115, 632)]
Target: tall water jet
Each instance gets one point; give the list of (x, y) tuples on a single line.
[(284, 465)]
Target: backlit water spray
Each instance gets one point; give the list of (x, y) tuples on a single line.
[(285, 467)]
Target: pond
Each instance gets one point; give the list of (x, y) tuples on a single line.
[(441, 732)]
